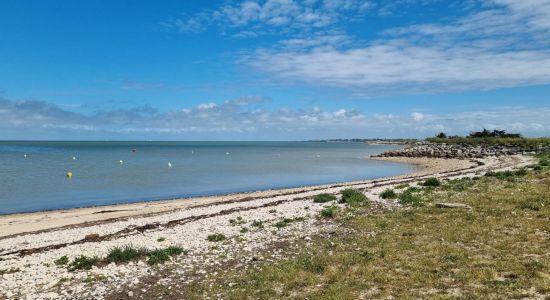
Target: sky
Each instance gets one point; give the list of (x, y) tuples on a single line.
[(272, 69)]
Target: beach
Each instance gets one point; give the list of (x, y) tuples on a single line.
[(32, 242)]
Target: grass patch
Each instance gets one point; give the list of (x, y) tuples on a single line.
[(238, 221), (243, 230), (161, 239), (329, 212), (353, 197), (63, 260), (125, 254), (258, 224), (324, 198), (83, 262), (409, 197), (432, 181), (286, 221), (160, 256), (216, 237), (388, 194)]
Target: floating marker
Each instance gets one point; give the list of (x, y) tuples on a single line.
[(25, 155), (134, 150), (169, 164), (74, 157), (192, 152), (318, 155), (120, 162), (226, 153), (69, 174)]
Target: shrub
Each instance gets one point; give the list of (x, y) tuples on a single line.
[(126, 254), (329, 212), (544, 162), (284, 222), (353, 197), (216, 237), (432, 181), (83, 263), (388, 194), (323, 198), (63, 260), (161, 239)]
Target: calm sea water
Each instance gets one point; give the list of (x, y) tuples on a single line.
[(33, 174)]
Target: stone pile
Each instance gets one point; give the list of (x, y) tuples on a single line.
[(442, 150)]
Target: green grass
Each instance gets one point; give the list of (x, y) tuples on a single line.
[(83, 262), (286, 221), (410, 197), (353, 197), (388, 194), (329, 212), (161, 239), (432, 181), (160, 256), (216, 237), (324, 198), (258, 224), (125, 254), (496, 250), (63, 260)]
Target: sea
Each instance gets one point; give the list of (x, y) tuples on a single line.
[(49, 175)]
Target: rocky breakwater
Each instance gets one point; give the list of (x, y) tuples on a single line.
[(464, 151)]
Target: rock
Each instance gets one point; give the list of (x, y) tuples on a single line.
[(130, 294), (453, 205)]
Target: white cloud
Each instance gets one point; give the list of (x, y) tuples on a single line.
[(270, 15), (483, 50), (32, 119), (417, 116)]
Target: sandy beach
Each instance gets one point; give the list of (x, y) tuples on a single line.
[(30, 243)]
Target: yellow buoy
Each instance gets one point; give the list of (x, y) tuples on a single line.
[(69, 174)]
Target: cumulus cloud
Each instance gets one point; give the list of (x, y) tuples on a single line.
[(504, 45), (248, 117)]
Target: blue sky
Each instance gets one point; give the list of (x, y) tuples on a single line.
[(272, 69)]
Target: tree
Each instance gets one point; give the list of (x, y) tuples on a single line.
[(441, 135)]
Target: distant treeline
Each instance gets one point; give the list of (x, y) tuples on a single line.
[(494, 137)]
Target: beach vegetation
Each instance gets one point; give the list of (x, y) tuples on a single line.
[(272, 211), (258, 224), (63, 260), (160, 256), (432, 181), (238, 221), (388, 194), (323, 198), (329, 212), (286, 221), (353, 197), (243, 230), (83, 262), (409, 197), (125, 254), (161, 239), (9, 271), (216, 237), (402, 186)]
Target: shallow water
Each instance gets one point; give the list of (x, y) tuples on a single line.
[(38, 181)]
